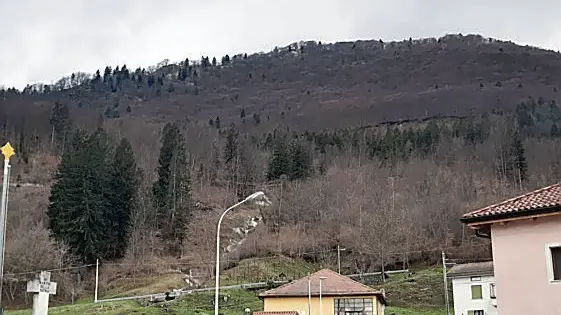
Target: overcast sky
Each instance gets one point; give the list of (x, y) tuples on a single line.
[(41, 40)]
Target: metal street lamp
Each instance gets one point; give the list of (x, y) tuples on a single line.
[(8, 152), (260, 199), (309, 295), (320, 289)]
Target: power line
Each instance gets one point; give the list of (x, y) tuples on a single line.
[(421, 251), (49, 270), (206, 263), (469, 259)]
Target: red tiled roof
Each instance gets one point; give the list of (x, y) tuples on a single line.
[(545, 198), (333, 284), (276, 313)]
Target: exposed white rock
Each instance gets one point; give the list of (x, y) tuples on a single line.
[(242, 232)]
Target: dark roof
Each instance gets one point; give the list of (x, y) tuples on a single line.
[(333, 284), (544, 200), (484, 268)]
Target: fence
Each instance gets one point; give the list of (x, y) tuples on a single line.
[(254, 285), (76, 282)]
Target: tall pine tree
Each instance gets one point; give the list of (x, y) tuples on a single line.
[(519, 166), (232, 158), (124, 183), (246, 170), (79, 210), (511, 156), (279, 163), (300, 161), (172, 189), (61, 126)]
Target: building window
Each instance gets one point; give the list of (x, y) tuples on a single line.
[(555, 253), (476, 312), (476, 292), (492, 293), (354, 306)]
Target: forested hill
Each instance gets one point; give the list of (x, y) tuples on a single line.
[(376, 147), (313, 85)]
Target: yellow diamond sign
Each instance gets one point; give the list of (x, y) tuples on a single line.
[(8, 151)]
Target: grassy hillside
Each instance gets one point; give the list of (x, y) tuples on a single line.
[(422, 289), (200, 303), (196, 304), (268, 268), (419, 293), (144, 285)]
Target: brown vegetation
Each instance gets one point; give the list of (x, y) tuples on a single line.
[(386, 212)]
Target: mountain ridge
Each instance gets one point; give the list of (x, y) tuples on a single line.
[(347, 83)]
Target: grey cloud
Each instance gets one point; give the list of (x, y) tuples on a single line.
[(41, 41)]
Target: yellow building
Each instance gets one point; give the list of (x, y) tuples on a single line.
[(340, 295)]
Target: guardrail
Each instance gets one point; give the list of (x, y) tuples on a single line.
[(189, 291)]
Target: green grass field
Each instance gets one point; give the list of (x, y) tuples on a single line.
[(417, 294), (196, 304), (270, 268), (200, 303), (423, 289), (414, 311)]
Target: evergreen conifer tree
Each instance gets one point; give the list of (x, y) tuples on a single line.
[(279, 163), (246, 172), (61, 126), (512, 156), (518, 157), (231, 158), (231, 146), (554, 132), (124, 183), (300, 161), (172, 189), (79, 210)]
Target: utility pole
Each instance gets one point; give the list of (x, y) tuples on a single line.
[(339, 249), (96, 279), (7, 151), (383, 270), (445, 283)]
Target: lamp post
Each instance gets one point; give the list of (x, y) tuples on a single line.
[(320, 290), (260, 199), (309, 295), (444, 273), (8, 152)]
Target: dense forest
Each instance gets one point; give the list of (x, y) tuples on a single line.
[(376, 147)]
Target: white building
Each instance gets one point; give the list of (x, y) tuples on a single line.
[(473, 285)]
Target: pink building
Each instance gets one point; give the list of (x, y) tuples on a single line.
[(525, 233)]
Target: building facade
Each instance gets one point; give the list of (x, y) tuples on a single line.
[(525, 234), (340, 295), (474, 289)]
